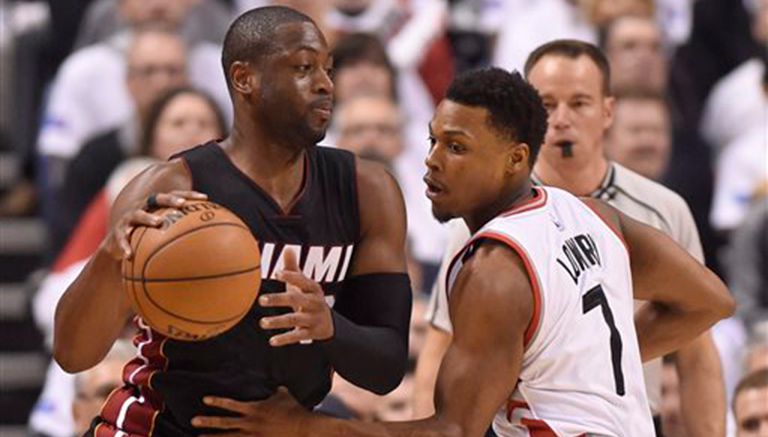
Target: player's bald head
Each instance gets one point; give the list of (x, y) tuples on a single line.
[(252, 36)]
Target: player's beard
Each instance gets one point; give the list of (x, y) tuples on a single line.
[(442, 216)]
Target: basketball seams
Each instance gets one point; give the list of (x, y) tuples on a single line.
[(133, 268), (167, 243), (149, 297), (192, 278)]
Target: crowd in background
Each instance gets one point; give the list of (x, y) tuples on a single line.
[(94, 91)]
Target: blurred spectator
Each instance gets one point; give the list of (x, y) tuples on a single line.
[(89, 93), (750, 405), (180, 119), (640, 136), (370, 126), (633, 45), (671, 417), (742, 169), (719, 41), (362, 68), (156, 62), (206, 21), (413, 32), (725, 118), (757, 348), (523, 25), (639, 65), (602, 12), (746, 262), (93, 386)]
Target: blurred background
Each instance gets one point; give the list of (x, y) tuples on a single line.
[(93, 91)]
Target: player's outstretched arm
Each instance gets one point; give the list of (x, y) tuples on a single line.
[(684, 297), (491, 306), (94, 309)]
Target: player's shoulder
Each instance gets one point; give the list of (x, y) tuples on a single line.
[(648, 194), (374, 178)]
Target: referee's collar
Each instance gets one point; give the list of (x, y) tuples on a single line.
[(606, 190)]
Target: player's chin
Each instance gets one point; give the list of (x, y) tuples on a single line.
[(315, 134), (441, 214)]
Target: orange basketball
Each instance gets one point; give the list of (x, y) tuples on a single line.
[(195, 276)]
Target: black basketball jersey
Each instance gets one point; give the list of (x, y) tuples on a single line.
[(165, 384)]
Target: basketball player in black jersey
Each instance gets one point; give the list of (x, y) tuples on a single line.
[(328, 223)]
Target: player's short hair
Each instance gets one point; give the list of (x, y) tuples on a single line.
[(514, 106), (572, 49), (251, 37), (755, 380)]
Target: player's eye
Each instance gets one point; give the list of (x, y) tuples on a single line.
[(751, 424)]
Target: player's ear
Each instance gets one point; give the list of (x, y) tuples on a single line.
[(517, 157), (244, 78)]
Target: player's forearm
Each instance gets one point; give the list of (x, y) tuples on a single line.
[(374, 358), (369, 347), (662, 330), (702, 391), (435, 346), (90, 314), (321, 426)]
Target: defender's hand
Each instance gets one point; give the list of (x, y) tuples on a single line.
[(279, 415), (117, 243), (311, 316)]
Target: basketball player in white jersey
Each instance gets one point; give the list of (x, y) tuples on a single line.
[(573, 79), (541, 298)]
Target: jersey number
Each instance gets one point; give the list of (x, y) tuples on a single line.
[(592, 299)]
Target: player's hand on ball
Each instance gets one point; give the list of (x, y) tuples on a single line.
[(311, 316), (117, 242), (279, 415)]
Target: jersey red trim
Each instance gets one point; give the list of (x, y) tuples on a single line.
[(133, 408), (533, 325), (537, 201), (538, 428)]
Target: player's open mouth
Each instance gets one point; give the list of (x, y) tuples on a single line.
[(434, 189)]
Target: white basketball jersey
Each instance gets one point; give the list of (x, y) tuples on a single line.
[(581, 372)]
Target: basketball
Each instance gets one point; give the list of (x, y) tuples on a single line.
[(196, 275)]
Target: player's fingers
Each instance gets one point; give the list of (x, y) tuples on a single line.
[(144, 218), (293, 336), (188, 194), (297, 279), (217, 422), (293, 300), (290, 261), (167, 200), (227, 404), (123, 241), (290, 320)]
